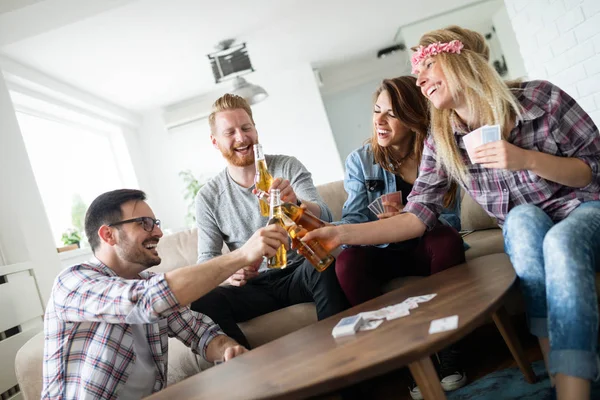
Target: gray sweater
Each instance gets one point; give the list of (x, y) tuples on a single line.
[(227, 212)]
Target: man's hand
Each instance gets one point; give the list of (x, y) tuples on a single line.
[(233, 351), (243, 275), (264, 243), (501, 154), (223, 348), (286, 191), (329, 237)]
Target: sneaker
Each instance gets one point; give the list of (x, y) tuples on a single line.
[(414, 390), (452, 376)]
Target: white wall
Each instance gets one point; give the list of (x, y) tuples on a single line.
[(348, 96), (509, 44), (292, 121), (350, 115), (560, 41), (28, 258)]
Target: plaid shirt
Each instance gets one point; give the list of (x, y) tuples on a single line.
[(89, 352), (553, 123)]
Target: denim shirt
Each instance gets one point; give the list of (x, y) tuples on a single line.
[(366, 180)]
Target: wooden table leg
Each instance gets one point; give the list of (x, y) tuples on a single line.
[(427, 379), (507, 330)]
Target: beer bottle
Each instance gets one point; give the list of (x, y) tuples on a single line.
[(262, 179), (302, 217), (312, 250), (279, 260)]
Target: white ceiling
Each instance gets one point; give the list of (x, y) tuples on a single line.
[(147, 53)]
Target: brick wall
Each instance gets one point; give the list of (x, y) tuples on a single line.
[(560, 42)]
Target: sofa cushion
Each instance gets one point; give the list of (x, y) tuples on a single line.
[(482, 243), (177, 250), (472, 216), (335, 196)]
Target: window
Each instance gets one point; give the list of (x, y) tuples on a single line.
[(72, 165)]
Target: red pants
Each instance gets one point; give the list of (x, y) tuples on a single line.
[(362, 271)]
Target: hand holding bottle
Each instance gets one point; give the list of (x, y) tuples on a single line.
[(286, 192), (328, 236), (264, 243)]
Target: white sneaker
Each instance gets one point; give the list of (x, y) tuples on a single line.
[(454, 381), (414, 391)]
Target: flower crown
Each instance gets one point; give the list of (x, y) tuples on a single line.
[(433, 49)]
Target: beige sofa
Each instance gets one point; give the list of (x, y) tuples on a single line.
[(179, 249)]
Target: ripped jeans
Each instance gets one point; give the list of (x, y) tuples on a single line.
[(556, 264)]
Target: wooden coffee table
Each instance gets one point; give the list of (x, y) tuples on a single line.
[(310, 361)]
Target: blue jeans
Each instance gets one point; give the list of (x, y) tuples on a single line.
[(556, 264)]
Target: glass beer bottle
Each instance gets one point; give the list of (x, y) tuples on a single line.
[(262, 179), (279, 260), (311, 250), (302, 217)]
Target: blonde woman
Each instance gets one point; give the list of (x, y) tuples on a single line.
[(542, 183)]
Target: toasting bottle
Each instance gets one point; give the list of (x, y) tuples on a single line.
[(312, 250), (262, 179), (302, 217), (279, 260)]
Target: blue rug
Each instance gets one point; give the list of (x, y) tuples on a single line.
[(510, 384)]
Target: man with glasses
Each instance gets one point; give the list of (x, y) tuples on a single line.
[(108, 320)]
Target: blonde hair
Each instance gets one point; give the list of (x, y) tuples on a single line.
[(411, 109), (485, 94), (228, 102)]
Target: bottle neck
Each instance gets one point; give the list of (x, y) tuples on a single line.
[(275, 203), (258, 153)]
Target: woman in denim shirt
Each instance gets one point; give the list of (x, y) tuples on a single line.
[(389, 162)]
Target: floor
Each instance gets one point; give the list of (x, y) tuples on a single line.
[(483, 351)]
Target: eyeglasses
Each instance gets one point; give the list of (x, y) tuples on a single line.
[(147, 223)]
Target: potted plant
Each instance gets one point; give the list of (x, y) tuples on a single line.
[(192, 186), (71, 239)]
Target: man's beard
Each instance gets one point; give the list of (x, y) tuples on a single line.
[(237, 159), (133, 253)]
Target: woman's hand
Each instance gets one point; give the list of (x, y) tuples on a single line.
[(391, 208), (501, 154), (329, 237)]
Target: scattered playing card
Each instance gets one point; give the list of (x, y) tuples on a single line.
[(443, 324), (374, 315), (369, 325), (410, 304), (398, 312), (422, 299)]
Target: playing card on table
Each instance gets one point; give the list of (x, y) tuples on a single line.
[(421, 299), (409, 303), (443, 324), (369, 325), (397, 312), (374, 315)]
